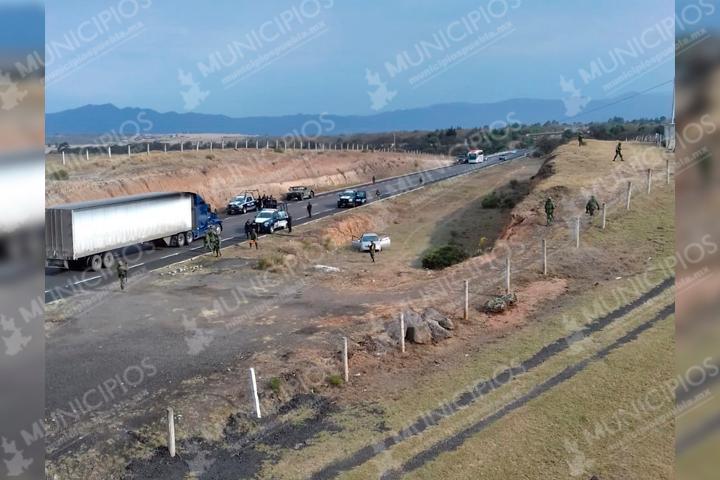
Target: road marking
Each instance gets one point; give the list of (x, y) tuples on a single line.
[(86, 280), (171, 255), (138, 265)]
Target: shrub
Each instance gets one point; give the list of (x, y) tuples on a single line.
[(210, 156), (442, 257), (335, 380), (278, 150), (492, 200), (274, 384), (61, 174)]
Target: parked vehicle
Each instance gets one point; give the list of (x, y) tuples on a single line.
[(270, 219), (351, 198), (87, 234), (299, 192), (243, 203), (461, 159), (363, 243), (475, 156)]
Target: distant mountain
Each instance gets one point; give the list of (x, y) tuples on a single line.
[(109, 119)]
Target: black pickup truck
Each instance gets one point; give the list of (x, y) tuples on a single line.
[(352, 198)]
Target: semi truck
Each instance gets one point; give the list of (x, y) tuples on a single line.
[(89, 234)]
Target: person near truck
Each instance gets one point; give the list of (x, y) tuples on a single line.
[(309, 209), (591, 206), (372, 251), (122, 272), (289, 223), (254, 237), (248, 227), (216, 245)]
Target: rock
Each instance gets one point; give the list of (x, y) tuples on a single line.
[(430, 314), (419, 334), (437, 332), (510, 299), (326, 269), (495, 305)]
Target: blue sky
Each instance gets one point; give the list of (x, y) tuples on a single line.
[(317, 62)]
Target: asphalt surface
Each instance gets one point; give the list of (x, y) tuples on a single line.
[(61, 283)]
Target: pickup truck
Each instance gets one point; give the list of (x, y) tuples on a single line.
[(241, 204), (270, 219), (363, 243), (351, 198), (299, 193)]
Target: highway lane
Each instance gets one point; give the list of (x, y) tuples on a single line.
[(60, 283)]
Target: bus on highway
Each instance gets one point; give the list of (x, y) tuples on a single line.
[(475, 156)]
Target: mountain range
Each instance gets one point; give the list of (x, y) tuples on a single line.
[(107, 118)]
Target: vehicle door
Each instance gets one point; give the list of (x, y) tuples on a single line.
[(384, 242)]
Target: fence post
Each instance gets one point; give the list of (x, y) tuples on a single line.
[(507, 274), (402, 332), (171, 432), (577, 232), (63, 155), (629, 193), (165, 147), (181, 146), (466, 311), (544, 255), (649, 180), (667, 171), (87, 154), (346, 367), (148, 149), (604, 212), (253, 382), (128, 150), (197, 146), (109, 152)]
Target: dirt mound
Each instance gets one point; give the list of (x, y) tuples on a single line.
[(343, 229)]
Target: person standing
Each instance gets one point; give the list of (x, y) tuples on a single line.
[(289, 223), (309, 209), (591, 206), (372, 251), (580, 139), (373, 179), (549, 211), (248, 227), (253, 237), (122, 272), (216, 245), (618, 152)]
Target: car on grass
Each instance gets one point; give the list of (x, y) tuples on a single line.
[(270, 219), (299, 192), (351, 198), (240, 204), (363, 243)]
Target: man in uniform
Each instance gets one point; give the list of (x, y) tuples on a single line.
[(122, 271), (618, 152), (549, 210), (289, 223), (253, 237), (209, 240), (372, 251), (592, 206), (248, 227), (216, 245), (309, 209), (373, 179), (580, 139)]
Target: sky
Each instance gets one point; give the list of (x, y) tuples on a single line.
[(248, 58)]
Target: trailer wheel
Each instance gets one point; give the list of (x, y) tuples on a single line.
[(189, 237), (108, 260), (96, 263), (180, 239)]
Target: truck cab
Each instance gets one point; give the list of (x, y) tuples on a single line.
[(204, 219)]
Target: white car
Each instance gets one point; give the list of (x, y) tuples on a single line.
[(363, 243)]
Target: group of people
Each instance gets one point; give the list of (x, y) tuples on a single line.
[(591, 207), (267, 201)]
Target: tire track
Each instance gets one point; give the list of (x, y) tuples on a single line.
[(458, 439), (486, 386)]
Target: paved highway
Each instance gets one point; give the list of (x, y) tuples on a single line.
[(61, 283)]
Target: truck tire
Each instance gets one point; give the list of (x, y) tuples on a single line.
[(96, 263), (271, 229), (189, 237), (108, 260), (180, 239)]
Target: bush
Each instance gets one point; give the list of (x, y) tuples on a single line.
[(278, 150), (335, 380), (442, 257), (210, 156), (59, 175), (274, 384), (492, 200)]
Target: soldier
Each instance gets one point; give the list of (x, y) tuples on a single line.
[(618, 152), (209, 241), (122, 272), (253, 237), (248, 227), (289, 223), (591, 206), (549, 210), (216, 245), (372, 250), (373, 179), (309, 209), (580, 139)]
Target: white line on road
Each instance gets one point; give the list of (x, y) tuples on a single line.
[(87, 279), (171, 255)]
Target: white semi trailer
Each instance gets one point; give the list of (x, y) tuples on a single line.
[(88, 234)]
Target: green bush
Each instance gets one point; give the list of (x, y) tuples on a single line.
[(274, 385), (492, 200), (59, 175), (335, 380), (442, 257)]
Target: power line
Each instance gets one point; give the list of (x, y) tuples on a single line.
[(625, 99)]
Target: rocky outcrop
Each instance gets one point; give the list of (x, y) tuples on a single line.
[(428, 326)]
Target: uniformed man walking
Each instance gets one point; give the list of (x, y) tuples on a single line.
[(122, 272), (372, 251), (253, 237), (216, 245), (248, 227), (580, 139), (591, 206), (289, 223), (549, 211), (309, 209), (618, 152)]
